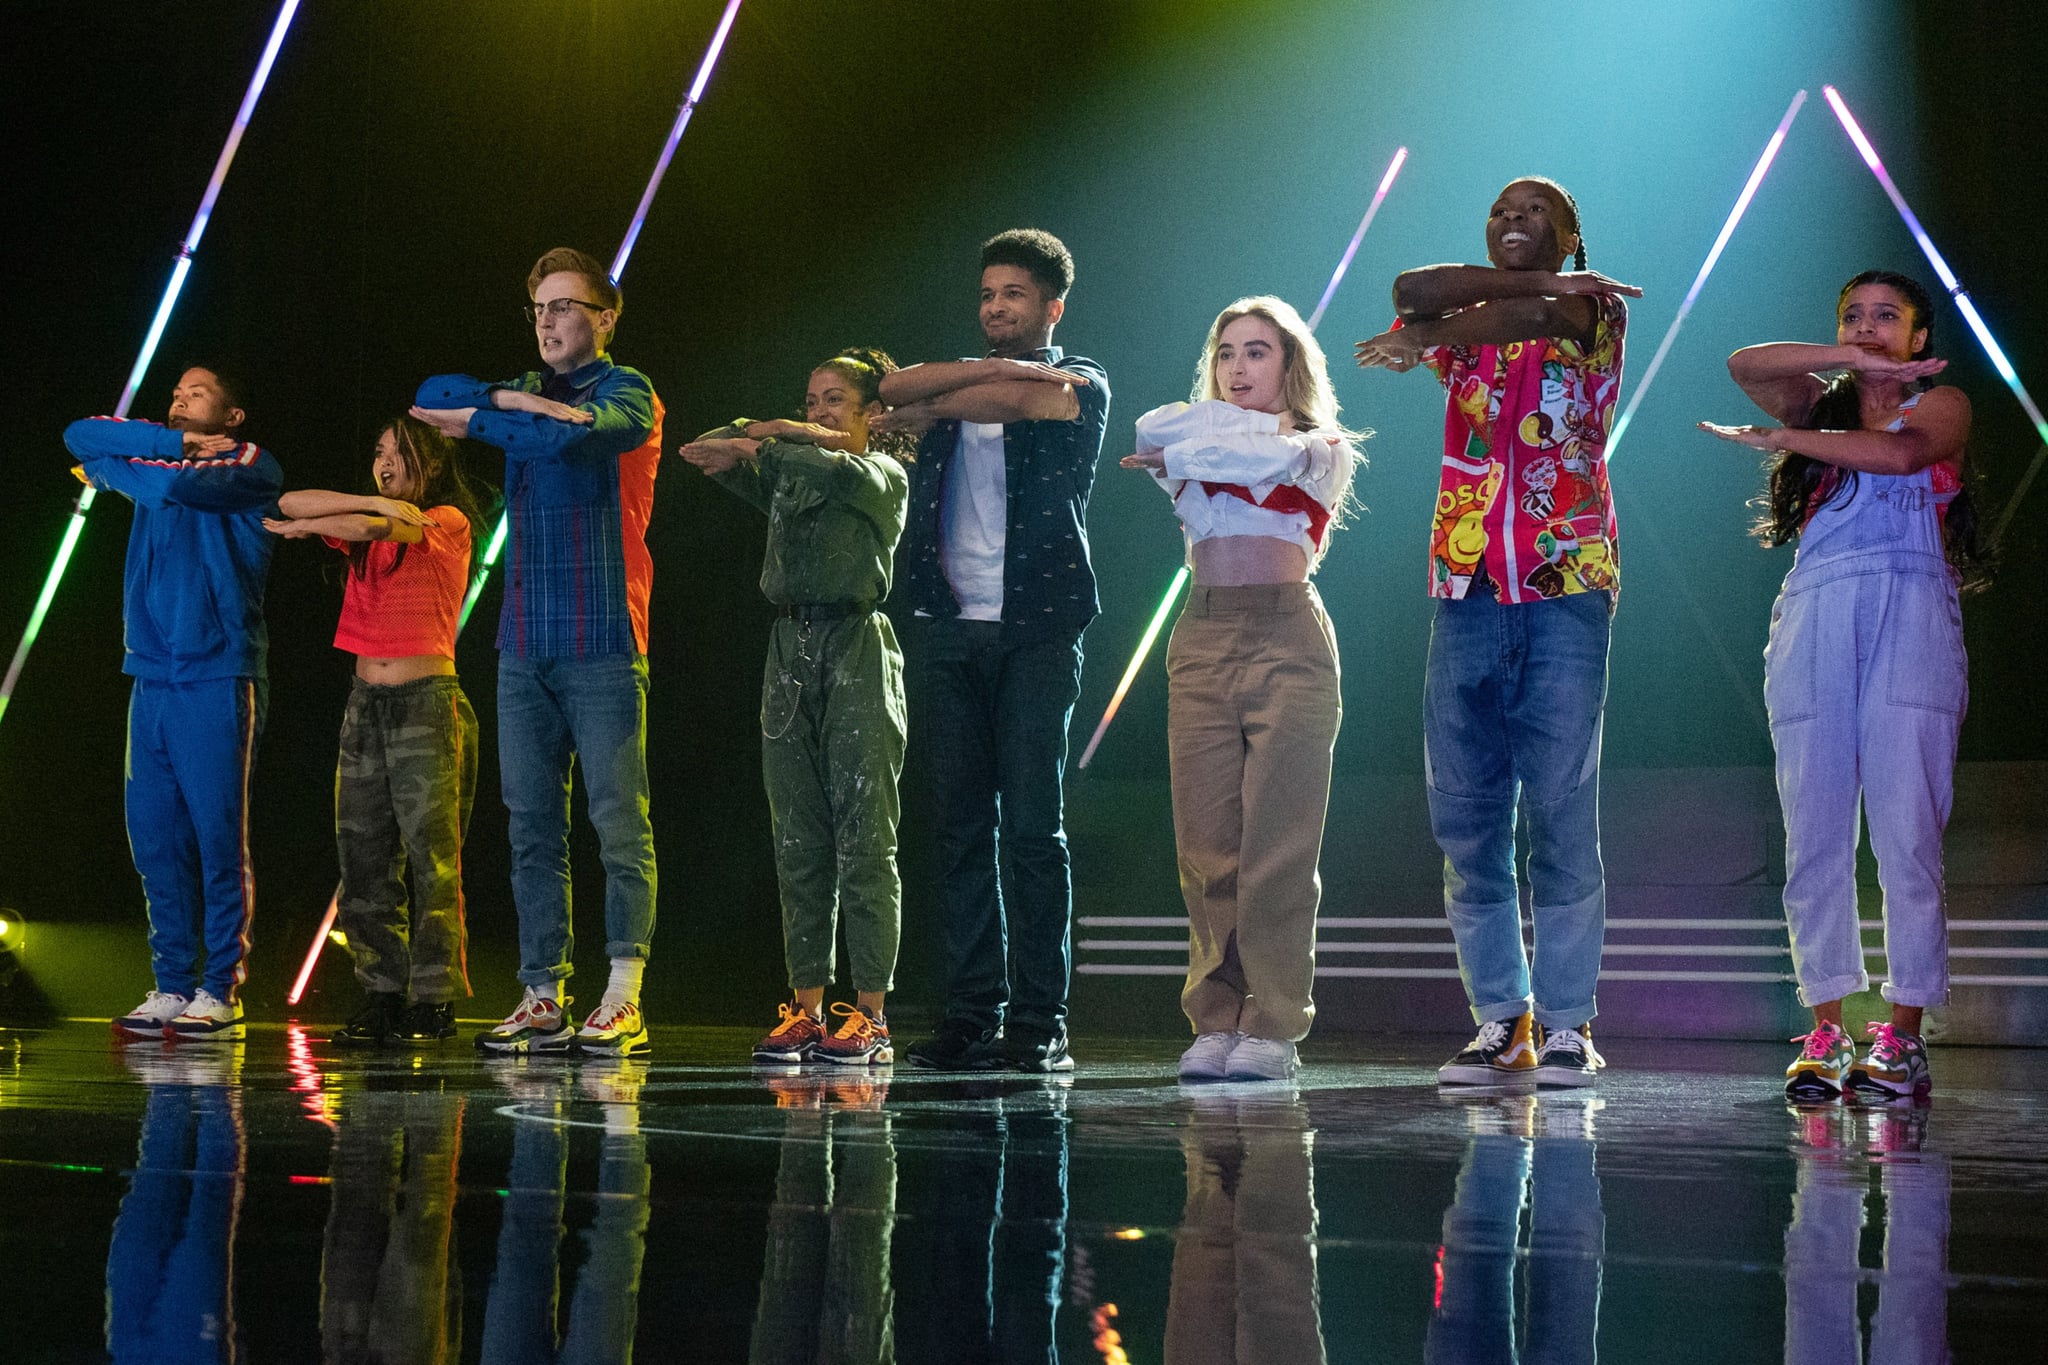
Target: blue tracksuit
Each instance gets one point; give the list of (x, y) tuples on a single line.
[(192, 606)]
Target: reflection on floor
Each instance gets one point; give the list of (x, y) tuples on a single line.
[(276, 1201)]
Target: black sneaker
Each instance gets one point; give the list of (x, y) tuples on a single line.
[(1567, 1056), (426, 1021), (376, 1023), (955, 1047), (1022, 1048)]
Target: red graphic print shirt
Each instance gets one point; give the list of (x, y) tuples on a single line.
[(1528, 497)]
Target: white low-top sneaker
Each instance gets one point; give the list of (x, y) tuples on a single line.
[(1208, 1057), (1262, 1059), (150, 1020)]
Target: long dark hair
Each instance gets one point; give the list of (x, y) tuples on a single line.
[(433, 469), (1800, 485), (863, 367)]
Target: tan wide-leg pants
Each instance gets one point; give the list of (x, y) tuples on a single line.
[(1253, 706)]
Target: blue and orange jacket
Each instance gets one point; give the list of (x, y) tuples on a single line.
[(198, 556), (578, 575)]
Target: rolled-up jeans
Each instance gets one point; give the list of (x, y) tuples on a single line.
[(551, 713), (1512, 702)]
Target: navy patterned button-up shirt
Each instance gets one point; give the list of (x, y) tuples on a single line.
[(1048, 583)]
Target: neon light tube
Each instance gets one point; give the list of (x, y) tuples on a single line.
[(675, 135), (1330, 290), (1180, 578), (313, 953), (186, 250), (1180, 575), (1749, 188), (1964, 304)]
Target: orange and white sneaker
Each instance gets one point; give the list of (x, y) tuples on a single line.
[(1503, 1053), (863, 1040), (792, 1041), (1895, 1065)]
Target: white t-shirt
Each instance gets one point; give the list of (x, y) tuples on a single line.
[(974, 514)]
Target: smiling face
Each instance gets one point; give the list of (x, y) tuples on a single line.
[(1879, 319), (200, 405), (395, 477), (833, 400), (571, 334), (1530, 228), (1016, 316), (1251, 364)]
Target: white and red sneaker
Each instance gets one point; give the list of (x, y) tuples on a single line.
[(150, 1021)]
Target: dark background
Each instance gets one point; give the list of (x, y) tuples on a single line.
[(411, 159)]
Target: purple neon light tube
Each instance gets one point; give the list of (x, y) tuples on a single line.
[(675, 135), (1935, 259), (1337, 277), (1749, 189)]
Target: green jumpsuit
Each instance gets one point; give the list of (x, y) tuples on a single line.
[(832, 717)]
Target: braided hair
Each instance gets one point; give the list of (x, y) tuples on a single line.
[(1578, 255), (863, 367)]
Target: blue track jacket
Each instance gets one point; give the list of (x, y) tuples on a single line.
[(197, 554)]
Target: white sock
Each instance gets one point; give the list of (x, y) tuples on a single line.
[(551, 990), (624, 987)]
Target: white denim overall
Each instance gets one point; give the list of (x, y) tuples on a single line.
[(1866, 684)]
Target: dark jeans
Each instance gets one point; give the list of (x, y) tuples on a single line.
[(990, 721)]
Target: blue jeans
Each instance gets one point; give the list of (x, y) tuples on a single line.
[(1512, 700), (991, 720), (552, 712)]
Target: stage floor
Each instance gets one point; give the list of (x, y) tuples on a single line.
[(279, 1201)]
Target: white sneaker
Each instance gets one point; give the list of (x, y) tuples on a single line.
[(1262, 1059), (1208, 1057), (207, 1019), (151, 1020)]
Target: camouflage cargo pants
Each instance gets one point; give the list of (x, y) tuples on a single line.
[(832, 732), (402, 794)]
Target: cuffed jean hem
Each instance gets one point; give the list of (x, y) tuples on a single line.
[(541, 976), (1834, 988), (621, 948), (1578, 1016), (1501, 1013), (1918, 999)]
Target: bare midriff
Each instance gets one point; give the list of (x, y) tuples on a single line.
[(1240, 561), (385, 672)]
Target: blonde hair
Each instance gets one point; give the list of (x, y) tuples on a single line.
[(1305, 379)]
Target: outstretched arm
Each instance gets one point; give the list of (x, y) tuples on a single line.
[(157, 466), (1571, 318), (1780, 378), (1434, 290), (921, 382), (1935, 432)]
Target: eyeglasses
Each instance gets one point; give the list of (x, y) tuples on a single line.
[(557, 308)]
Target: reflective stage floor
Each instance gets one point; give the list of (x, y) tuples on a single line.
[(277, 1201)]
